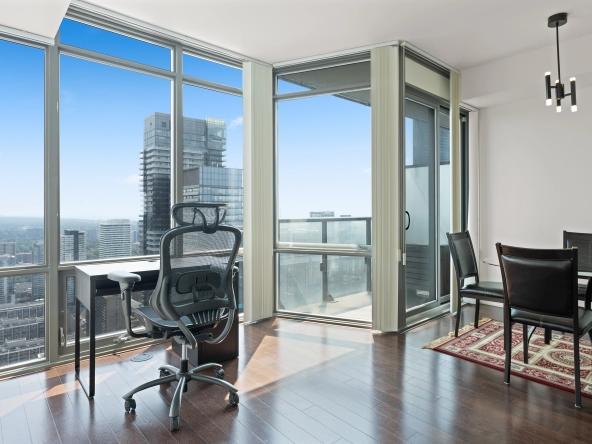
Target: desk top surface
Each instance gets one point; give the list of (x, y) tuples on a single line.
[(102, 270)]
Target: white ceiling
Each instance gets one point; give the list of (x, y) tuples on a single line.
[(462, 33), (41, 17)]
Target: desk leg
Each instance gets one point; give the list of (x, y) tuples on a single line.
[(90, 391), (91, 351), (77, 338)]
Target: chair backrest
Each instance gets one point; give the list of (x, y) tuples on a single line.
[(583, 241), (540, 281), (463, 255), (196, 265)]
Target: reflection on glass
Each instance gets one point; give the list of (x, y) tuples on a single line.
[(338, 286), (21, 154), (212, 71), (444, 134), (22, 319), (113, 44), (213, 150), (420, 204), (114, 161)]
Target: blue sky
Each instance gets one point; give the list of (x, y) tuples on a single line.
[(324, 142)]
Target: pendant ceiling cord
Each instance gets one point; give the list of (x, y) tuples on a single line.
[(558, 63)]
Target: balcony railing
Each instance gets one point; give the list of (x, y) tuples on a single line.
[(311, 283)]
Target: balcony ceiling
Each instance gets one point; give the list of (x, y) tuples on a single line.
[(462, 33)]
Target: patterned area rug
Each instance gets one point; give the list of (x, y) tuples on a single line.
[(548, 364)]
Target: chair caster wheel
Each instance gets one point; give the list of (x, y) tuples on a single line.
[(233, 398), (219, 373), (174, 425), (164, 373), (130, 404)]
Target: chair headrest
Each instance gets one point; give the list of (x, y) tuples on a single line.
[(207, 215)]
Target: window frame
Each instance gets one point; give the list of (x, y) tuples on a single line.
[(310, 249), (58, 350)]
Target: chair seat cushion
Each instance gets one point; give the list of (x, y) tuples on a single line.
[(489, 290), (146, 313), (553, 322)]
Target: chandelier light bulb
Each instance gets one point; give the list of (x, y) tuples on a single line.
[(574, 108), (549, 102), (559, 109)]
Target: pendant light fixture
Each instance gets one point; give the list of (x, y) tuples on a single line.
[(555, 21)]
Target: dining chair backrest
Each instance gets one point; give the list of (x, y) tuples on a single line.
[(540, 281), (583, 241), (463, 255)]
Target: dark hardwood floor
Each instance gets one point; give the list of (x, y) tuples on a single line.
[(307, 383)]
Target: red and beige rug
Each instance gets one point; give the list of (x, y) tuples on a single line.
[(548, 364)]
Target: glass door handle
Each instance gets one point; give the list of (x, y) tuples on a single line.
[(408, 223)]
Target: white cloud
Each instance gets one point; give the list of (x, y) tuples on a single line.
[(367, 170), (236, 122), (134, 179)]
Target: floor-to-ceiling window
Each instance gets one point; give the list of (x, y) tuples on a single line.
[(110, 94), (22, 204), (323, 194)]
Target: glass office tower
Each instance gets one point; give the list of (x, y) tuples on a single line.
[(205, 177)]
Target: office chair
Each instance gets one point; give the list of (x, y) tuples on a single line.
[(194, 292)]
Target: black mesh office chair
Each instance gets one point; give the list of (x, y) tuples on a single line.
[(583, 241), (541, 290), (465, 265), (194, 292)]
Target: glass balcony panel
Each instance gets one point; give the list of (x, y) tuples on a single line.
[(326, 285)]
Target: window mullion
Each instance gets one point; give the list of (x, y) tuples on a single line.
[(52, 203)]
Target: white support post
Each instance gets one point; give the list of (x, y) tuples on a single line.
[(258, 266), (385, 188)]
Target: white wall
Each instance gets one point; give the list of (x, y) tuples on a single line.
[(535, 174)]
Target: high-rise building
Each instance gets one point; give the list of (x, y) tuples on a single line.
[(213, 184), (72, 246), (8, 248), (7, 282), (114, 238), (38, 280), (204, 144)]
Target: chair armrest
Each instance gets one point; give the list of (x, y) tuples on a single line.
[(123, 277), (126, 283)]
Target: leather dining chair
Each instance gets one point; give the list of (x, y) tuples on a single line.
[(541, 290), (465, 265)]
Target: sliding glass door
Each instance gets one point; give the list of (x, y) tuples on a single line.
[(427, 204)]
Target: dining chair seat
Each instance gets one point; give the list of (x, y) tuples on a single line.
[(492, 291), (554, 322)]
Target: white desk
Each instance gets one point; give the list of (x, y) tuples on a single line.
[(92, 281)]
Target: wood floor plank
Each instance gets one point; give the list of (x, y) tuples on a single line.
[(301, 382)]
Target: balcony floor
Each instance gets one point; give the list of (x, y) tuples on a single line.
[(356, 306)]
